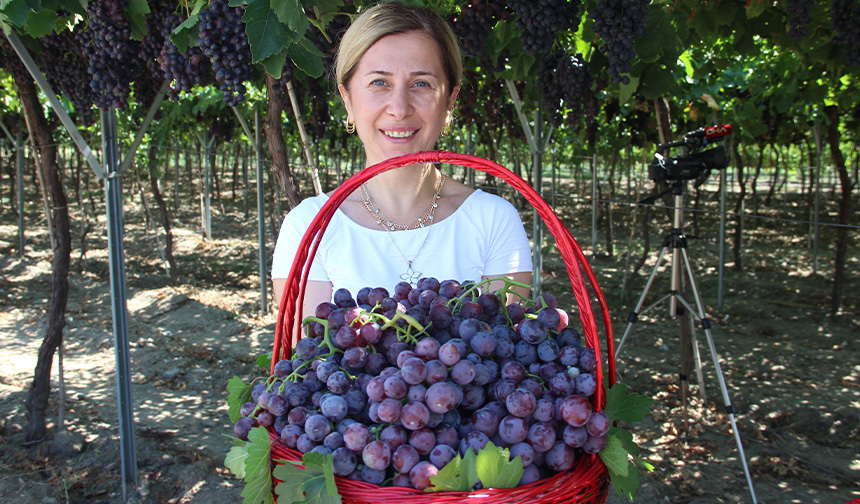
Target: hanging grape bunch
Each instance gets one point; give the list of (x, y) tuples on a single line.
[(474, 23), (619, 23), (224, 42), (11, 62), (65, 66), (565, 82), (845, 21), (394, 386), (327, 43), (112, 54), (540, 20), (799, 17)]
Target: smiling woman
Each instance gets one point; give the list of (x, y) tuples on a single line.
[(398, 72)]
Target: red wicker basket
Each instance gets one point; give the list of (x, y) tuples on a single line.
[(588, 480)]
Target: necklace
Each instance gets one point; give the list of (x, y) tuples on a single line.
[(410, 275), (388, 224)]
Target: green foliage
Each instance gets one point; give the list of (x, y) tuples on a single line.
[(314, 484), (492, 466), (250, 462), (238, 393), (621, 454)]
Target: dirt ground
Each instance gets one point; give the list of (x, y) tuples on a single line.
[(792, 374)]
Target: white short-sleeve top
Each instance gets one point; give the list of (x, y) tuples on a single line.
[(483, 237)]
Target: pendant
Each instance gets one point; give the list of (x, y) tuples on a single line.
[(411, 275)]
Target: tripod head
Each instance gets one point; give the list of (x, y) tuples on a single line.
[(694, 164)]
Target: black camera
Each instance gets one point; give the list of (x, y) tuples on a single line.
[(694, 165)]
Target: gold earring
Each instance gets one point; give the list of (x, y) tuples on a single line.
[(350, 127), (446, 129)]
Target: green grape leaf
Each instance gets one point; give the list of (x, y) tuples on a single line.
[(187, 31), (291, 13), (16, 11), (238, 393), (614, 456), (258, 479), (312, 485), (459, 475), (265, 360), (266, 34), (41, 23), (136, 13), (235, 460), (495, 468), (307, 58), (626, 485), (626, 407), (274, 66)]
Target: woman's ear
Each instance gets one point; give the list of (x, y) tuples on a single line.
[(344, 95), (452, 99)]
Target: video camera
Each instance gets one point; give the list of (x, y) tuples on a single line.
[(693, 165)]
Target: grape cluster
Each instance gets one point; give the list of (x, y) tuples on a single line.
[(565, 83), (112, 54), (224, 42), (63, 62), (12, 63), (474, 23), (540, 20), (619, 23), (799, 17), (395, 386), (328, 43), (845, 21)]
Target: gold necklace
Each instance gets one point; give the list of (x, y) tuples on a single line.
[(388, 224)]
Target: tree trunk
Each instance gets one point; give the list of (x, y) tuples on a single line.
[(277, 147), (165, 217), (774, 183), (44, 144), (847, 186), (754, 185)]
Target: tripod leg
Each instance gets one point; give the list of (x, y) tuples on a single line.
[(634, 315), (698, 363), (706, 324)]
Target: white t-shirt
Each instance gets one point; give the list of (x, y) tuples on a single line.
[(483, 237)]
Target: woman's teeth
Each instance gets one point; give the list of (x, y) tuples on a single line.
[(400, 134)]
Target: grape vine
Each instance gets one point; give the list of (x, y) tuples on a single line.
[(112, 54), (224, 42), (474, 22), (619, 23), (566, 83), (799, 17), (845, 21), (539, 22), (65, 66)]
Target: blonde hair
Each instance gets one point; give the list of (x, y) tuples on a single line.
[(388, 19)]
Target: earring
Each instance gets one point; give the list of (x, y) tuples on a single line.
[(446, 129), (350, 127)]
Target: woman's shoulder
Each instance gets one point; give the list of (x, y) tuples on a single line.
[(308, 207)]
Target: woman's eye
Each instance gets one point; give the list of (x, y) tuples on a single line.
[(422, 84), (378, 82)]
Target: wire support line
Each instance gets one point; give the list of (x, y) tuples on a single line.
[(687, 209)]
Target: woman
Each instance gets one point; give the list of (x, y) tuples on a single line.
[(398, 71)]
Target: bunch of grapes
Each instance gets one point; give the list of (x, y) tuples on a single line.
[(394, 386), (65, 66), (540, 20), (112, 54), (799, 17), (845, 21), (619, 23), (327, 43), (224, 42), (474, 23), (11, 62), (565, 82)]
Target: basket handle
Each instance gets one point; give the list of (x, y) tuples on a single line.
[(572, 255)]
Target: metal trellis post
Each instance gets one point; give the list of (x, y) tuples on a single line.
[(114, 203), (261, 215), (19, 174)]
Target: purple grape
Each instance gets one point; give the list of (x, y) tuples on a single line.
[(413, 370), (521, 403), (243, 427), (524, 451), (356, 436), (441, 455), (414, 416), (290, 435), (420, 475), (594, 444), (575, 410), (541, 437), (423, 440), (560, 457), (404, 458), (394, 436), (513, 429), (376, 455), (344, 461), (574, 437)]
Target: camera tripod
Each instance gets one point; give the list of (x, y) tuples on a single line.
[(677, 241)]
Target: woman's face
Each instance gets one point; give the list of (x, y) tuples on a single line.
[(398, 96)]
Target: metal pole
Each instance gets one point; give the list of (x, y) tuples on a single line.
[(207, 183), (722, 266), (594, 205), (816, 225), (537, 230), (19, 174), (261, 216), (113, 190)]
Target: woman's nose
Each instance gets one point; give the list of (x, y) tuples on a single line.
[(400, 104)]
